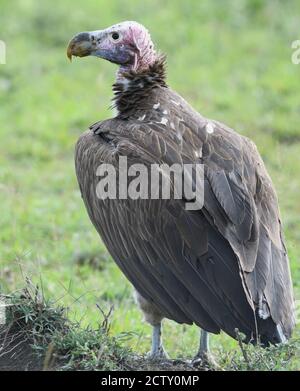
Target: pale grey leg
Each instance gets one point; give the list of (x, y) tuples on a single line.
[(156, 339), (203, 357), (157, 350), (154, 317)]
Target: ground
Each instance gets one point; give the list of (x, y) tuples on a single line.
[(230, 59)]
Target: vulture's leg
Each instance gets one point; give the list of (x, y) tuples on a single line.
[(153, 316), (204, 343), (203, 351), (204, 357), (157, 351)]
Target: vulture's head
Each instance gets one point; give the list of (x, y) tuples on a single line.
[(127, 44)]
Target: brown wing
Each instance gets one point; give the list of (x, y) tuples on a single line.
[(217, 267), (253, 229)]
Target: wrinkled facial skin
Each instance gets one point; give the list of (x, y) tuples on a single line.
[(119, 51), (117, 56), (127, 44)]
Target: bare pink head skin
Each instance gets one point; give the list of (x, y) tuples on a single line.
[(127, 44)]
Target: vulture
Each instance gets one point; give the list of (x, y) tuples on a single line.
[(222, 266)]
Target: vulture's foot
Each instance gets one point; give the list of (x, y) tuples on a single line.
[(157, 354), (205, 360)]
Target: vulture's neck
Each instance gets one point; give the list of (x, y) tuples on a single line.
[(132, 87)]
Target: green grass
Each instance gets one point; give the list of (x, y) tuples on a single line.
[(38, 335), (230, 59)]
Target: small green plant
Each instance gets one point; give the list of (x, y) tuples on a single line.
[(38, 335), (257, 358)]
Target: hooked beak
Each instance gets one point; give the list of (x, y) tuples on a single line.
[(81, 45), (93, 43)]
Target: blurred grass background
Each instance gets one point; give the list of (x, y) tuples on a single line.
[(230, 59)]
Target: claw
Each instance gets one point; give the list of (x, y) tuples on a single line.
[(158, 355), (207, 361)]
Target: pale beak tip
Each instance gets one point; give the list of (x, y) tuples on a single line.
[(79, 46), (69, 52)]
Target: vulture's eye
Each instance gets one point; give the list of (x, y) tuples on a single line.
[(115, 36)]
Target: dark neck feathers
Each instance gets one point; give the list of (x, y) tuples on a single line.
[(132, 88)]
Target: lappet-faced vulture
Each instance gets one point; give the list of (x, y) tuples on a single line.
[(223, 266)]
